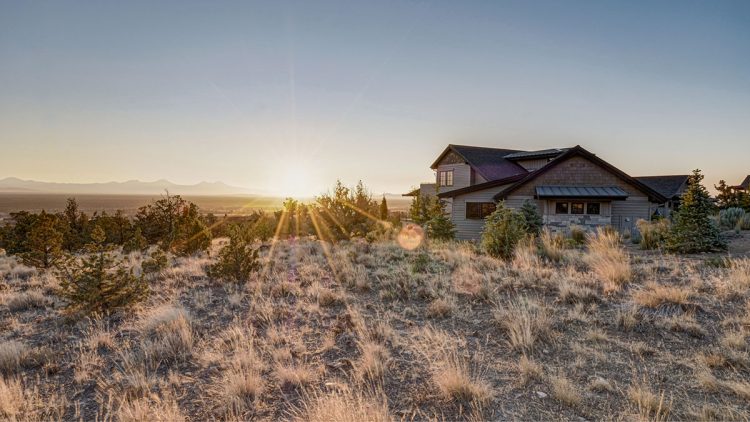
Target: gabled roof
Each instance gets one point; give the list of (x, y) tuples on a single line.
[(481, 186), (746, 183), (669, 186), (543, 153), (490, 163), (580, 151)]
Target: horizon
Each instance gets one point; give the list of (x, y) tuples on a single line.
[(289, 97)]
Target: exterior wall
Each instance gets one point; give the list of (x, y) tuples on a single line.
[(562, 222), (535, 164), (461, 176), (470, 229), (626, 213)]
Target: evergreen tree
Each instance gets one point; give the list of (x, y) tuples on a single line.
[(531, 215), (693, 230), (383, 209), (136, 242), (98, 283), (15, 235), (727, 197), (44, 242), (77, 225), (503, 229), (440, 227), (237, 260), (175, 224)]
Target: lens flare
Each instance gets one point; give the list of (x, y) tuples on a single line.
[(410, 237)]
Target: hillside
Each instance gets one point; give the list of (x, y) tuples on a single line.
[(359, 331)]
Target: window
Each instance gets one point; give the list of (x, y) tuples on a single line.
[(445, 178), (578, 208), (479, 210)]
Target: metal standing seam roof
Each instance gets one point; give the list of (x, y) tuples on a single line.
[(580, 192)]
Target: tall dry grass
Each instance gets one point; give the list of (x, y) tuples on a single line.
[(608, 259)]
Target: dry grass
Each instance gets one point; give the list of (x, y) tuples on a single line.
[(457, 380), (649, 405), (552, 246), (441, 308), (23, 301), (13, 354), (529, 369), (564, 390), (658, 296), (343, 406), (608, 260), (462, 337), (524, 321)]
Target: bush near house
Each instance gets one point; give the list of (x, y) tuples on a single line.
[(503, 229)]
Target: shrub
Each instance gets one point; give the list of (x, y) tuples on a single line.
[(731, 217), (608, 259), (745, 222), (237, 260), (503, 230), (653, 234), (44, 242), (693, 230), (136, 242), (98, 282), (440, 227), (156, 263), (533, 218)]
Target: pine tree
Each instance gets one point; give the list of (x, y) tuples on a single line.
[(727, 197), (383, 209), (77, 225), (693, 230), (440, 227), (98, 283), (44, 242), (534, 221)]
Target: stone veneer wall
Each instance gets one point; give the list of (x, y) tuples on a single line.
[(562, 222)]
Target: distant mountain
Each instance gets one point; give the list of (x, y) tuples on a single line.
[(131, 187)]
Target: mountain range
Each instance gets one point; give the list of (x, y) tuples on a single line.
[(130, 187)]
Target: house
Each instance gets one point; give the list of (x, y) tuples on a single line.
[(744, 186), (570, 186), (671, 187)]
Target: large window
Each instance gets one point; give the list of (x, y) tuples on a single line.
[(445, 178), (578, 208), (479, 210), (561, 208)]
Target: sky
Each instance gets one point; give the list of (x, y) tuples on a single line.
[(287, 97)]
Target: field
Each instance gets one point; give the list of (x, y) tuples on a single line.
[(358, 331)]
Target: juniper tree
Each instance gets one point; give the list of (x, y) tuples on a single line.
[(136, 242), (531, 215), (503, 229), (237, 260), (99, 283), (383, 209), (44, 242), (693, 230)]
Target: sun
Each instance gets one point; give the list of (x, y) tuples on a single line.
[(296, 180)]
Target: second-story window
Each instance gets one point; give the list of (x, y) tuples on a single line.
[(445, 178)]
